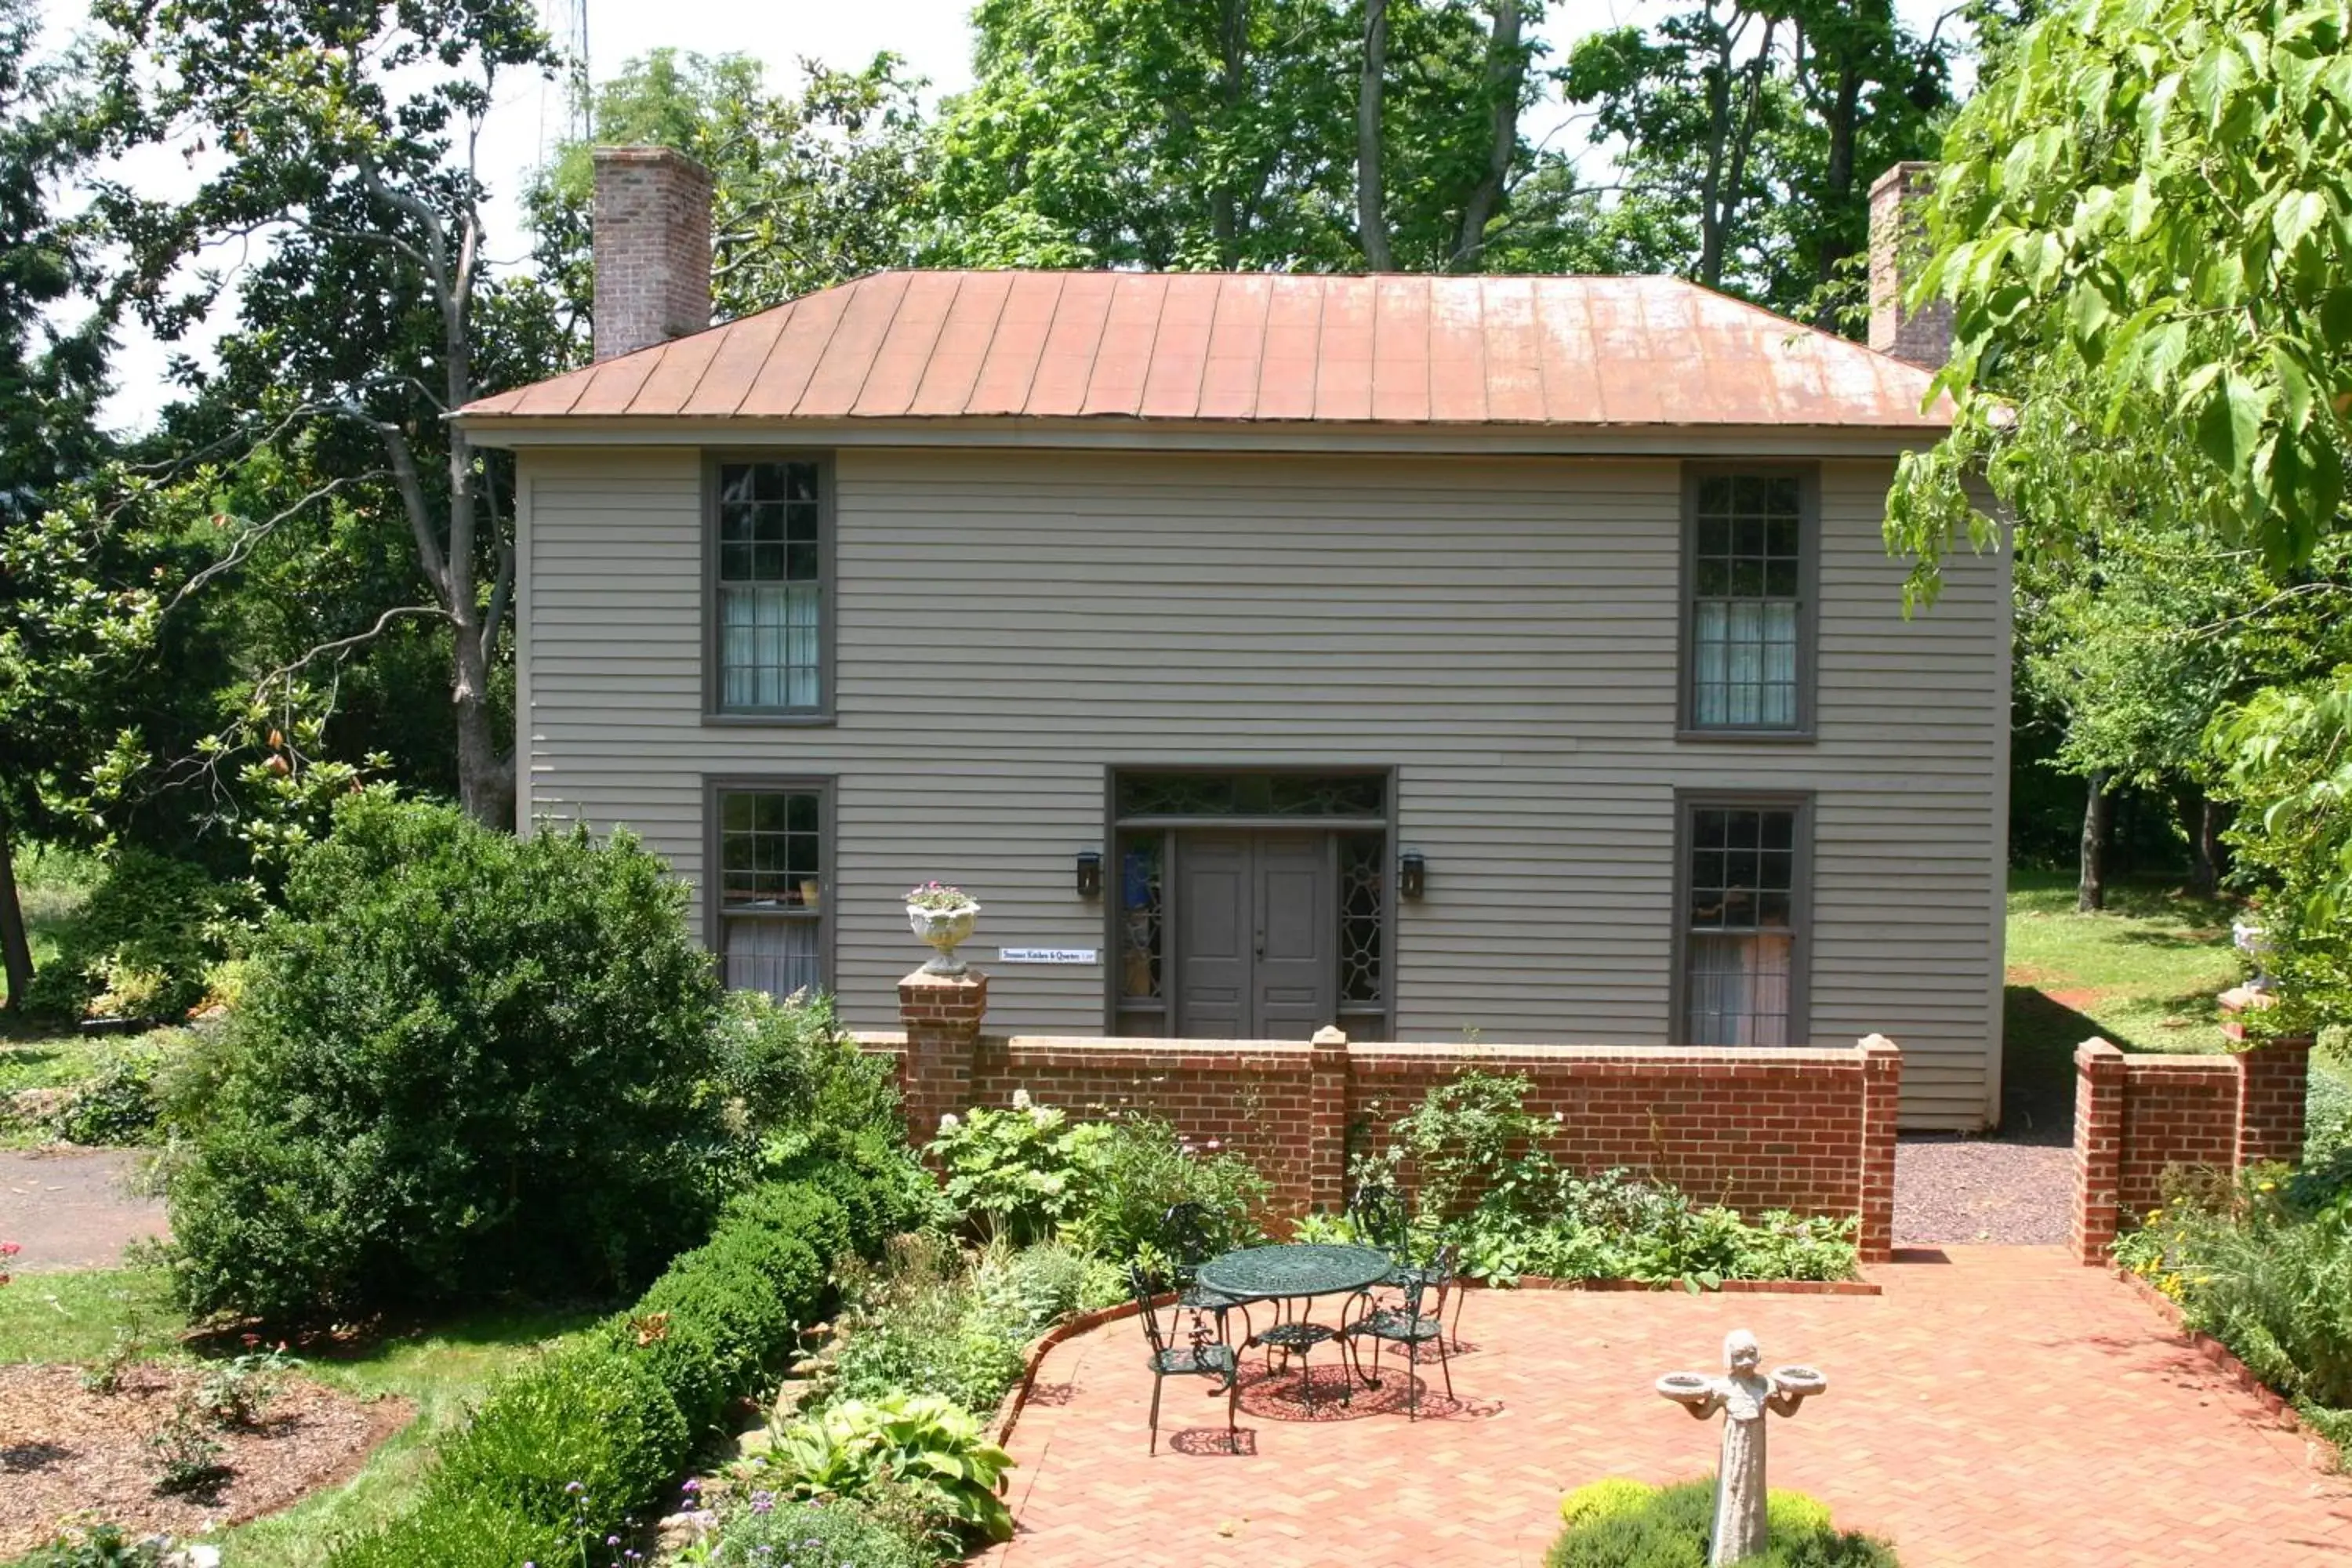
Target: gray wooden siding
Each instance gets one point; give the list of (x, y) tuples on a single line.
[(1500, 630)]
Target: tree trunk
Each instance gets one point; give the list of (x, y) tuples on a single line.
[(1372, 187), (485, 771), (14, 944), (2091, 887), (2202, 818), (1845, 111), (1506, 64)]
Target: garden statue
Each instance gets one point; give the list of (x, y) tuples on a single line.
[(1744, 1394)]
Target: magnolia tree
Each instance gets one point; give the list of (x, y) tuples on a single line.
[(2144, 221)]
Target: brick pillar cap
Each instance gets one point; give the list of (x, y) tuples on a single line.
[(1329, 1035), (968, 980), (2096, 1050), (1877, 1045)]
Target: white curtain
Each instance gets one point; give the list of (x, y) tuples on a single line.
[(777, 956), (767, 644), (1739, 989), (1747, 656)]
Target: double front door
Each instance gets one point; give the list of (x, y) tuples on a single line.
[(1258, 932)]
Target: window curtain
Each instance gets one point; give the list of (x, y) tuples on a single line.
[(769, 645), (777, 956), (1739, 989), (1746, 658)]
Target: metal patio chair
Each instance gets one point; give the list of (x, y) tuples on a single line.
[(1184, 1242), (1203, 1353), (1406, 1325)]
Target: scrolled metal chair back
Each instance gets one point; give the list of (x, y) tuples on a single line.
[(1184, 1237), (1146, 1289), (1378, 1214)]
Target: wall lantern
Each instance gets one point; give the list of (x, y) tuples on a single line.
[(1413, 873), (1089, 873)]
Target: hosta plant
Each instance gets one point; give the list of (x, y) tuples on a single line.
[(920, 1441)]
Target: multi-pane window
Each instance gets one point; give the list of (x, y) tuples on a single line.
[(1747, 611), (1741, 924), (771, 587), (772, 895)]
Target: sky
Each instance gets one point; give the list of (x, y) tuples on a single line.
[(931, 35)]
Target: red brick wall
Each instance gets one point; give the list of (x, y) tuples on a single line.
[(2137, 1117), (1807, 1130)]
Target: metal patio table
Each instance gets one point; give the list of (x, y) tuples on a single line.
[(1291, 1276)]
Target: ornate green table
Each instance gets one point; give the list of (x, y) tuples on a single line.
[(1296, 1272), (1292, 1276)]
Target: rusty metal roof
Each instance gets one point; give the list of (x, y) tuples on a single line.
[(1254, 348)]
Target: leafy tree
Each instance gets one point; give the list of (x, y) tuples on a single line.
[(340, 143), (2144, 221), (811, 188), (1750, 134), (1294, 134), (53, 631)]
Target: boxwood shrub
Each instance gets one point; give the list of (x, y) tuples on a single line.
[(1618, 1523), (568, 1450)]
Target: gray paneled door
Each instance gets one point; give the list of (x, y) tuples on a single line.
[(1256, 935)]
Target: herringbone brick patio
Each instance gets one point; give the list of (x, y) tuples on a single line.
[(2003, 1406)]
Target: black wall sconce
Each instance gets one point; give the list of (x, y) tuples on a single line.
[(1089, 873), (1413, 873)]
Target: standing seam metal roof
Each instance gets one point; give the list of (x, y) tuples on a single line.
[(1253, 347)]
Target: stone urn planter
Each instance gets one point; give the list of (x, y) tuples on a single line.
[(941, 916)]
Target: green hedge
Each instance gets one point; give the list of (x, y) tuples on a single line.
[(577, 1445)]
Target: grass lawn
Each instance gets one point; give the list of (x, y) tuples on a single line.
[(2142, 973), (442, 1369)]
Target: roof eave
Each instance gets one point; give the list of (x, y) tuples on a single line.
[(1100, 433)]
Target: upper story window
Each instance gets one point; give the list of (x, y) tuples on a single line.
[(1748, 579), (770, 572)]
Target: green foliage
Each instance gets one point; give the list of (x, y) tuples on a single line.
[(935, 1320), (1021, 1294), (582, 1444), (767, 1533), (590, 1427), (721, 1321), (1746, 137), (2265, 1267), (1627, 1524), (1017, 1173), (122, 1101), (234, 1392), (920, 1441), (99, 1546), (1483, 1177), (145, 940), (187, 1458), (1141, 1168), (465, 1061)]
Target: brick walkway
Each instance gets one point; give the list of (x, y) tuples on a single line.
[(2004, 1407)]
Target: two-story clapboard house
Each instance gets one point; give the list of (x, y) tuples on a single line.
[(1428, 655)]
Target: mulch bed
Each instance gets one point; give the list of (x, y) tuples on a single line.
[(69, 1457)]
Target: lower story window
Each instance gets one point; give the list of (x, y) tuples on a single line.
[(770, 902), (1742, 934)]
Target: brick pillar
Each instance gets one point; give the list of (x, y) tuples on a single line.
[(1882, 1099), (941, 1015), (1326, 1123), (2273, 1075), (2099, 1087)]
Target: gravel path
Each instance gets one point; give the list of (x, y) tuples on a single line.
[(1953, 1189), (73, 1208)]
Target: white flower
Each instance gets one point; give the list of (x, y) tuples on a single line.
[(1213, 1143), (1020, 1099), (950, 1122)]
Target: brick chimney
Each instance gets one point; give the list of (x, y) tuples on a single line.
[(650, 242), (1925, 339)]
